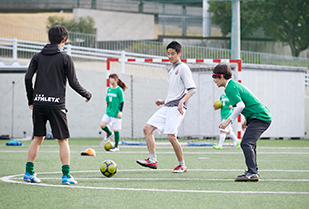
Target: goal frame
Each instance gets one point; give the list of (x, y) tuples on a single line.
[(238, 71)]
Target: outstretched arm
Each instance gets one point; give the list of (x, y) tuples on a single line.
[(73, 81), (237, 110)]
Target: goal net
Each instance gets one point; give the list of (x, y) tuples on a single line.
[(147, 80)]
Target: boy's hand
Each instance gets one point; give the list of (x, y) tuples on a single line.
[(244, 125), (119, 114), (224, 123), (180, 107), (31, 107), (87, 100), (159, 102)]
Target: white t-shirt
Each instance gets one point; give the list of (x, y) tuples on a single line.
[(180, 79)]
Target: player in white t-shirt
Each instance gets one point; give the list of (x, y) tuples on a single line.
[(168, 118)]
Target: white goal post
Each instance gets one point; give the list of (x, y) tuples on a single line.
[(236, 62)]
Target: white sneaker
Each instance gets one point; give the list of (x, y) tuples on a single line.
[(180, 169), (31, 178), (114, 149), (106, 139), (148, 163)]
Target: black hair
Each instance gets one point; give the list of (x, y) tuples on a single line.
[(222, 69), (119, 81), (174, 45), (57, 33)]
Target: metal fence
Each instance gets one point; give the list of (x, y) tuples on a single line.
[(152, 48), (41, 35), (23, 49), (17, 48)]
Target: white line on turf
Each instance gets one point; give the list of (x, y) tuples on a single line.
[(9, 180), (170, 179), (158, 152), (161, 170)]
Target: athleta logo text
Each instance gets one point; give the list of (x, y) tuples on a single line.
[(42, 98)]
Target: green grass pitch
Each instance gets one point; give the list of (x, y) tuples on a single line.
[(209, 182)]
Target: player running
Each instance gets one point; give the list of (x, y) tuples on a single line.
[(226, 111), (258, 117), (115, 102), (53, 69), (170, 116)]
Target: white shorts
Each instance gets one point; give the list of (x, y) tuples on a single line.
[(227, 129), (167, 119), (115, 122)]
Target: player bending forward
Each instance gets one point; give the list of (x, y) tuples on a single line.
[(168, 118), (258, 117), (53, 69), (226, 111)]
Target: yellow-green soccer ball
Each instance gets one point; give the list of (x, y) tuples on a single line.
[(108, 146), (108, 168), (218, 103)]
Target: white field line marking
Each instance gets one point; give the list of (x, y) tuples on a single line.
[(146, 152), (203, 170), (169, 147), (172, 179), (9, 180), (203, 158)]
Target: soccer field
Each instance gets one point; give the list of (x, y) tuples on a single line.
[(209, 182)]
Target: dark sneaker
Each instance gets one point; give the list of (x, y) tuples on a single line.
[(148, 163), (248, 177)]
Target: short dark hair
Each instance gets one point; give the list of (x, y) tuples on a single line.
[(222, 69), (174, 45), (57, 33)]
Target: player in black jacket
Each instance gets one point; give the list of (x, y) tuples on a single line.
[(53, 68)]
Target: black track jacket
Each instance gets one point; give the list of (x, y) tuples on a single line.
[(53, 68)]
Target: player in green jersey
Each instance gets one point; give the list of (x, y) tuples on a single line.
[(257, 117), (113, 115), (226, 111)]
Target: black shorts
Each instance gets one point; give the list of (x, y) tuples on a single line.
[(57, 119)]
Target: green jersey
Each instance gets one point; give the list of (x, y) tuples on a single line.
[(114, 98), (237, 92), (225, 110)]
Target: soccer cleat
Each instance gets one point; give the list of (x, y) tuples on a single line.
[(106, 139), (180, 169), (68, 180), (238, 144), (114, 149), (217, 147), (148, 163), (248, 177), (31, 178)]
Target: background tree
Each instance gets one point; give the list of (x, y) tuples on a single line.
[(288, 21), (83, 25), (284, 20), (250, 19)]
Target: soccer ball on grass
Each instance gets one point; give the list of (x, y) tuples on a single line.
[(108, 168), (108, 146)]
